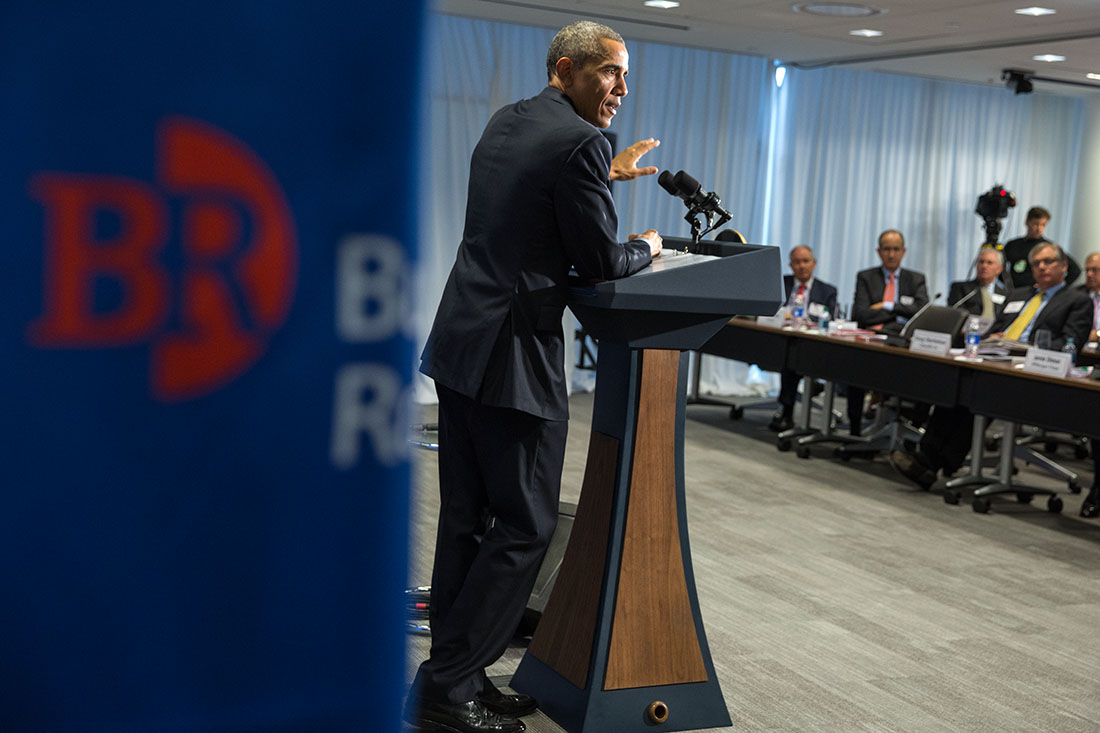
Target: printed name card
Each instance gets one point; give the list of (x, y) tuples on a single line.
[(1050, 363), (930, 342)]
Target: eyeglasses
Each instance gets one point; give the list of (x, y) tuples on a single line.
[(1045, 261)]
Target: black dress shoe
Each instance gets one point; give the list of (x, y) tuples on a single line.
[(462, 717), (505, 704), (912, 468), (780, 421), (1090, 509)]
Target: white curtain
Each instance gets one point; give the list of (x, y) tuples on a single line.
[(830, 159), (860, 152)]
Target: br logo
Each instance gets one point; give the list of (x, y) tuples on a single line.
[(199, 266)]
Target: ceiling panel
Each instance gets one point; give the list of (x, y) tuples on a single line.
[(962, 41)]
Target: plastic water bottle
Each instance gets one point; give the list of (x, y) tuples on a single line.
[(798, 312), (973, 336), (1071, 349), (823, 321)]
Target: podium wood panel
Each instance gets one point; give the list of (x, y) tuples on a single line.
[(653, 637), (565, 634)]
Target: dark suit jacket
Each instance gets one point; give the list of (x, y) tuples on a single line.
[(538, 203), (1069, 313), (870, 287), (959, 290), (820, 292), (1085, 290)]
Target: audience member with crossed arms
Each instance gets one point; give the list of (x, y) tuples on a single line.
[(885, 298)]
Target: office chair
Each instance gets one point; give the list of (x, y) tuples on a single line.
[(1002, 482), (890, 429)]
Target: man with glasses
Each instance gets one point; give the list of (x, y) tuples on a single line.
[(1048, 305)]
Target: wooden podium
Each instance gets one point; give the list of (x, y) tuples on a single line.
[(621, 644)]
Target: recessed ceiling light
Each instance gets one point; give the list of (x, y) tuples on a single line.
[(847, 10), (663, 4), (1093, 76), (1035, 11), (1048, 57), (865, 32)]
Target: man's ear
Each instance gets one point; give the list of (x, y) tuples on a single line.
[(564, 70)]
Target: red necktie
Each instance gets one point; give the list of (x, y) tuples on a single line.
[(887, 297), (801, 291), (888, 294)]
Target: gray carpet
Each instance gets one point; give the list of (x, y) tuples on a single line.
[(838, 597)]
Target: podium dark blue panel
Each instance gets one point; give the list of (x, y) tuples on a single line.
[(684, 297)]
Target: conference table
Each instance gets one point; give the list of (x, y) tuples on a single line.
[(996, 389)]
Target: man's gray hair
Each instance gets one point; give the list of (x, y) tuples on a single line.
[(1000, 255), (1059, 253), (580, 43)]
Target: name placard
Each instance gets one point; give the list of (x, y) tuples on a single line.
[(1050, 363), (930, 342)]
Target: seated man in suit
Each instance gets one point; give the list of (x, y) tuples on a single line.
[(886, 297), (818, 296), (1064, 312), (984, 295), (1091, 506), (1091, 288)]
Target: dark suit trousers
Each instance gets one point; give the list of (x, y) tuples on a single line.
[(788, 389), (947, 437), (506, 465)]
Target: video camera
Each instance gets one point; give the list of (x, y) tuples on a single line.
[(993, 205)]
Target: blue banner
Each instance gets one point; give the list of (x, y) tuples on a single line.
[(208, 229)]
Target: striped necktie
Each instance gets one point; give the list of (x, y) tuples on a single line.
[(1017, 328)]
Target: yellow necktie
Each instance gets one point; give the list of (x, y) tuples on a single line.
[(1017, 328)]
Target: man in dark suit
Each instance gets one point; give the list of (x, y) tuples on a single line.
[(885, 298), (984, 295), (818, 297), (1091, 288), (1051, 305), (538, 203)]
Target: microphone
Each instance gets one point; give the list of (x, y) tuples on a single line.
[(966, 297), (695, 197), (921, 310), (665, 180)]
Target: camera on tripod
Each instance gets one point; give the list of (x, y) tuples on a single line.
[(993, 205)]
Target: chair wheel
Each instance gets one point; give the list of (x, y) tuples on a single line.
[(951, 497), (1023, 497), (783, 445), (1054, 504), (736, 413), (802, 451), (842, 455), (1050, 446), (1080, 452), (1074, 487), (980, 505)]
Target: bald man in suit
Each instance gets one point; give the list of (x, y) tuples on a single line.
[(885, 298)]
